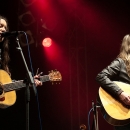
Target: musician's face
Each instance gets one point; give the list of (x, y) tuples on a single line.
[(3, 28)]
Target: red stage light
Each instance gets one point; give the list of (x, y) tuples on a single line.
[(47, 42)]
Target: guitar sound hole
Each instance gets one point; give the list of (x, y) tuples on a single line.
[(2, 99)]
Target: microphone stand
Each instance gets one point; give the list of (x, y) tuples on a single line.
[(95, 115), (30, 81)]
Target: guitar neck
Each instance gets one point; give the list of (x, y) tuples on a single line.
[(20, 84), (13, 86), (44, 78)]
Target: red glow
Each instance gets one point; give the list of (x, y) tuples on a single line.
[(54, 54), (47, 42)]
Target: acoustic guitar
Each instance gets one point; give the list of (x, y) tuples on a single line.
[(113, 111), (9, 97)]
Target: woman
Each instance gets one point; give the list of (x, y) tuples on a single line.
[(118, 70), (4, 49), (8, 115)]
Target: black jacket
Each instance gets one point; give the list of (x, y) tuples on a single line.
[(116, 71)]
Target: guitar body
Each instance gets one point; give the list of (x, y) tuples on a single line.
[(114, 112), (10, 97), (9, 87)]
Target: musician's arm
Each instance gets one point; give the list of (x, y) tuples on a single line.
[(106, 77)]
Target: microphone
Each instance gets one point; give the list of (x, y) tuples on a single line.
[(9, 34)]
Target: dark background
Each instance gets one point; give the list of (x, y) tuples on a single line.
[(87, 36)]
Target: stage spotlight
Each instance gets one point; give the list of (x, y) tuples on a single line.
[(27, 18), (47, 42), (27, 3)]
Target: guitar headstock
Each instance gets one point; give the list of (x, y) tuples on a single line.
[(55, 75)]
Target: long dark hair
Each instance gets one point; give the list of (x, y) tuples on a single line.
[(5, 50)]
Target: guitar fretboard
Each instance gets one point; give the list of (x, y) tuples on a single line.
[(44, 78), (20, 84), (14, 86)]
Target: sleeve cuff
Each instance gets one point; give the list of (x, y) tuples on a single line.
[(119, 92)]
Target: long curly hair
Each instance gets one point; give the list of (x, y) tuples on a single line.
[(5, 50), (125, 52)]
